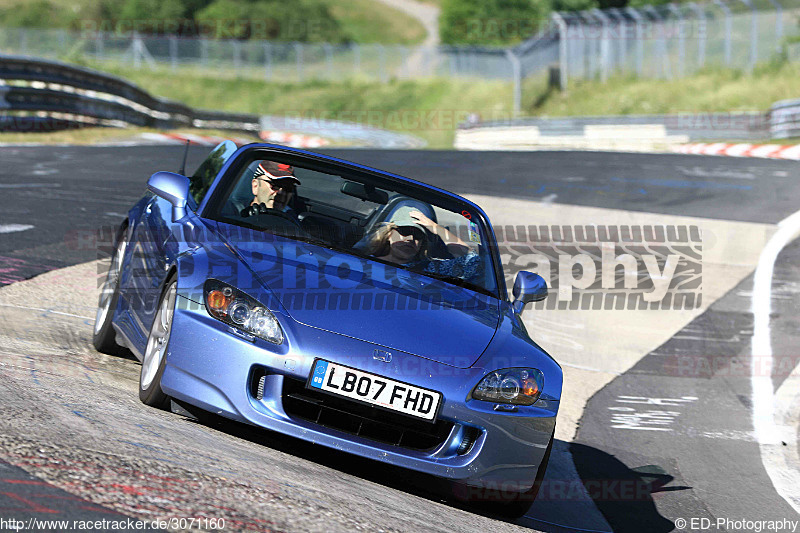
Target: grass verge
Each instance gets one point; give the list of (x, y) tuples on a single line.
[(427, 108), (432, 108), (368, 21), (707, 91)]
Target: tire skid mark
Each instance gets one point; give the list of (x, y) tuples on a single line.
[(160, 496)]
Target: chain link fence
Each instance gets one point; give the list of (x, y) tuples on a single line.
[(669, 41), (269, 60)]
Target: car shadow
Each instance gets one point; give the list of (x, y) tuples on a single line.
[(570, 499), (623, 495)]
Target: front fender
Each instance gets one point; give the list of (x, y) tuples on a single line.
[(511, 347)]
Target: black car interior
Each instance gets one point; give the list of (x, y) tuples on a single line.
[(333, 223)]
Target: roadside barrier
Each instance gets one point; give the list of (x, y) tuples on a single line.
[(42, 95), (784, 119), (38, 95), (740, 130)]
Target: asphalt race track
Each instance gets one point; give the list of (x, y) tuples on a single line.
[(656, 424)]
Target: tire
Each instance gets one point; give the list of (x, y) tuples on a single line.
[(520, 506), (105, 337), (512, 505), (155, 354)]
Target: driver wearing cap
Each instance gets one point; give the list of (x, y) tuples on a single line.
[(273, 187)]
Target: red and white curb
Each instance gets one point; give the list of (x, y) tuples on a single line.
[(773, 151), (181, 138), (295, 140)]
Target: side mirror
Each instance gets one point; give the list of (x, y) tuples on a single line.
[(173, 188), (528, 287)]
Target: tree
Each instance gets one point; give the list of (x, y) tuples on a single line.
[(491, 22), (271, 20)]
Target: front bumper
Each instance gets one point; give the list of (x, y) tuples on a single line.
[(209, 366)]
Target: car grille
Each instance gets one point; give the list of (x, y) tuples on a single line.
[(362, 420)]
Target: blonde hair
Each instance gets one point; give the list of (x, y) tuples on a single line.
[(377, 241)]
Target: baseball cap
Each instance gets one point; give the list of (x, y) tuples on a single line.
[(402, 218), (277, 171)]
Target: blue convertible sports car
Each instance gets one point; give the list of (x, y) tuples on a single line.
[(341, 305)]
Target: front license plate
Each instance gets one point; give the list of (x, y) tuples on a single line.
[(375, 390)]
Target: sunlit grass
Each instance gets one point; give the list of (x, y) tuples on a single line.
[(432, 108), (709, 90)]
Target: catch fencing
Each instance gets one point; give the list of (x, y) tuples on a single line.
[(671, 41), (667, 41), (271, 60)]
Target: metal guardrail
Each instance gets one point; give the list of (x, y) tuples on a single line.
[(634, 132), (695, 126), (43, 95), (784, 119)]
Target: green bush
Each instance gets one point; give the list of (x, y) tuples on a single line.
[(303, 20), (491, 22), (574, 5), (271, 20), (37, 13)]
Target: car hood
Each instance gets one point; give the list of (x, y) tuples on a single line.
[(369, 300)]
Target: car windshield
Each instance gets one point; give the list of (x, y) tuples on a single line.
[(360, 213)]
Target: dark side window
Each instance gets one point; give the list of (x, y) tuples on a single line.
[(206, 173)]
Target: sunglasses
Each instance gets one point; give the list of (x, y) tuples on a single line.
[(405, 231), (289, 187)]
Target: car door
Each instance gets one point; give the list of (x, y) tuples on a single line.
[(159, 238)]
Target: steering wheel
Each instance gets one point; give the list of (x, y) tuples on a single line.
[(260, 215)]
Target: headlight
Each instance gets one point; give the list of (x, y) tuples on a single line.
[(235, 308), (519, 386)]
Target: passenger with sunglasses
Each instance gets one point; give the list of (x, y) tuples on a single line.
[(404, 241), (273, 187)]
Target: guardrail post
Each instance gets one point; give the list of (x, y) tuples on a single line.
[(136, 55), (203, 51), (382, 63), (356, 57), (516, 72), (778, 25), (666, 70), (328, 59), (267, 60), (173, 52), (681, 42), (753, 34), (701, 33), (621, 36), (563, 50), (605, 65), (298, 55), (237, 54), (98, 46), (728, 29), (637, 17), (590, 51)]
